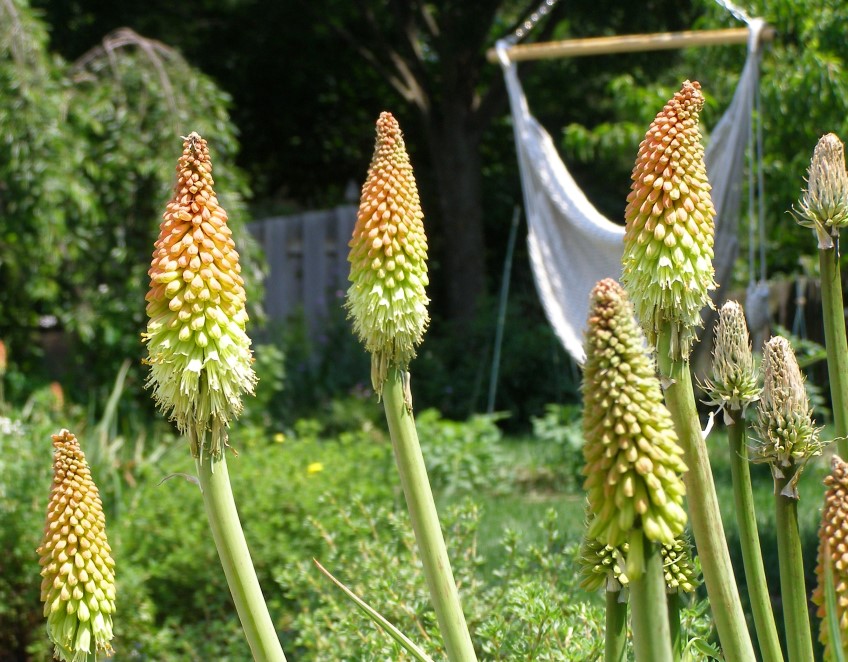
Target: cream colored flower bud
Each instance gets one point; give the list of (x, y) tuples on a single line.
[(668, 240), (824, 205), (734, 384), (634, 463), (77, 570), (788, 435)]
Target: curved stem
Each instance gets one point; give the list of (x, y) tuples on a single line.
[(425, 520), (615, 637), (833, 313), (702, 501), (235, 558), (749, 539), (796, 615), (651, 634)]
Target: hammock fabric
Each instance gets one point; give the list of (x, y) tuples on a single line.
[(571, 245)]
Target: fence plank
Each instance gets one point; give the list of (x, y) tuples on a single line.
[(307, 259), (315, 281)]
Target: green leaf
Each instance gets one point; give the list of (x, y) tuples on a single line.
[(392, 631)]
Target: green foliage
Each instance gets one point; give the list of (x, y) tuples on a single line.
[(461, 457), (532, 612), (562, 428), (87, 156)]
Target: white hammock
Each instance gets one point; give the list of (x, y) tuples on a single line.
[(571, 245)]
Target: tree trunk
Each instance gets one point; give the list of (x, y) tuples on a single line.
[(455, 153)]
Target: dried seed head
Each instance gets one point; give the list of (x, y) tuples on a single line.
[(668, 240), (78, 573), (633, 460), (824, 205), (788, 435), (833, 543), (734, 384), (198, 351), (388, 258)]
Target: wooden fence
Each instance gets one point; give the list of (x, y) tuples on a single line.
[(307, 259)]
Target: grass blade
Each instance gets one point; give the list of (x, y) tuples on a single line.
[(390, 629)]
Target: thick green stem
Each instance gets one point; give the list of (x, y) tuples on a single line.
[(615, 637), (704, 512), (425, 520), (235, 558), (834, 337), (651, 634), (677, 642), (749, 539), (796, 615)]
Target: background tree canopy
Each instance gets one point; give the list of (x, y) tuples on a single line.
[(88, 137)]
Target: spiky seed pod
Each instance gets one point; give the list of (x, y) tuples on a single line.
[(668, 240), (78, 585), (388, 258), (788, 435), (198, 351), (633, 460), (824, 205), (602, 566), (833, 542), (735, 384), (678, 568)]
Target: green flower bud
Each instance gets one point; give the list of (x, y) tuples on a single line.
[(633, 460), (602, 566), (833, 544), (388, 258), (824, 205), (788, 436), (668, 240), (78, 573), (199, 354), (678, 568), (734, 384)]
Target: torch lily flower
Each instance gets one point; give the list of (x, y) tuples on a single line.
[(388, 258), (198, 351), (668, 241), (78, 573)]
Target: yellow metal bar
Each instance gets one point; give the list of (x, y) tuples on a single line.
[(628, 44)]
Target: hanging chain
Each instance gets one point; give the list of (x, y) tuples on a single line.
[(530, 22)]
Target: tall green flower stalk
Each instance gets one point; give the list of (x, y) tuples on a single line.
[(788, 439), (388, 304), (78, 572), (733, 387), (200, 364), (667, 271), (824, 208), (633, 462), (833, 540)]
